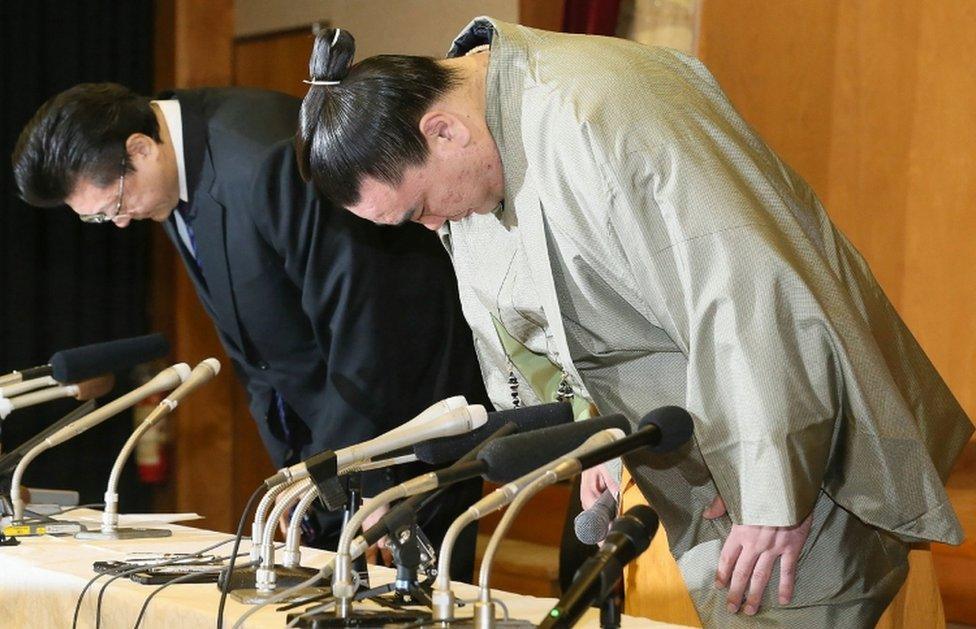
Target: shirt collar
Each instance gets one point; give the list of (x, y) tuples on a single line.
[(174, 121)]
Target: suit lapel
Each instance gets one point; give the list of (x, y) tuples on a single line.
[(209, 223)]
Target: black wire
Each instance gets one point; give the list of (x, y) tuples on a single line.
[(233, 554), (129, 571), (81, 597), (180, 579)]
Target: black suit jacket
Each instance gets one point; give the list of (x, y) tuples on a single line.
[(357, 327)]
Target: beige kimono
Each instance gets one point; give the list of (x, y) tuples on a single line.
[(652, 246)]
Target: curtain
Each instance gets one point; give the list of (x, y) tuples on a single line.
[(592, 17), (63, 283)]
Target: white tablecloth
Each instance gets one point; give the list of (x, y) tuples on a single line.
[(40, 581)]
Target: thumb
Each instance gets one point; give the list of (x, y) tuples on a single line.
[(715, 510)]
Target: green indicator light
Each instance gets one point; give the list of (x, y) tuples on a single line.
[(554, 613)]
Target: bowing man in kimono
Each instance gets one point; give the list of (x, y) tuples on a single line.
[(610, 214)]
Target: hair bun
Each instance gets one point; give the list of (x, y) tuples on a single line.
[(332, 55)]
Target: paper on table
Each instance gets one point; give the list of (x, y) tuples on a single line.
[(132, 519)]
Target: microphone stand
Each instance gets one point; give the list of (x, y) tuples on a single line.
[(411, 551), (258, 584)]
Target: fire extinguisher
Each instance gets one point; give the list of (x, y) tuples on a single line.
[(152, 449)]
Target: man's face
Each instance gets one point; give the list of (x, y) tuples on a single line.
[(431, 194), (150, 191)]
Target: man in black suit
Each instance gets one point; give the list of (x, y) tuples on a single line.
[(339, 330)]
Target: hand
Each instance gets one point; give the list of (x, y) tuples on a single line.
[(594, 482), (748, 557), (379, 553)]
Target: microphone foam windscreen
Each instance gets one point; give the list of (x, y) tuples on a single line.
[(88, 361), (515, 456), (675, 425), (638, 524), (528, 418)]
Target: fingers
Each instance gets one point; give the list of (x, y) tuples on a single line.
[(714, 510), (757, 583), (387, 556), (726, 562), (589, 488), (608, 480), (787, 577), (741, 575)]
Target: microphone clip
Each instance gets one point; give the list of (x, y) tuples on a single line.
[(323, 469)]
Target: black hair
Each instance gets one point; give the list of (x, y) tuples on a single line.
[(80, 132), (367, 124)]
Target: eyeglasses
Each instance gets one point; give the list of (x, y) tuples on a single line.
[(102, 217)]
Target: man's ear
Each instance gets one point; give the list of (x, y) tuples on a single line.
[(443, 129), (140, 145)]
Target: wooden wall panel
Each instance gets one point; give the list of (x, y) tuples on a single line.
[(544, 14), (275, 62), (871, 101), (219, 458)]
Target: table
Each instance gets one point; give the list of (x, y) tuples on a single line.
[(41, 578)]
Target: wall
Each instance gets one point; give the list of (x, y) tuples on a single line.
[(418, 27), (872, 102)]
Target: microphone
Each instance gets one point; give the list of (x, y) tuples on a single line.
[(630, 535), (526, 419), (442, 596), (662, 430), (88, 361), (515, 456), (438, 451), (19, 388), (165, 380), (19, 375), (431, 413), (118, 354), (204, 372), (82, 391), (326, 464), (591, 525)]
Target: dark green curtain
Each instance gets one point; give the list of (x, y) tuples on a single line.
[(63, 283)]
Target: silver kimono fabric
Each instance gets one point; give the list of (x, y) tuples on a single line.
[(677, 260)]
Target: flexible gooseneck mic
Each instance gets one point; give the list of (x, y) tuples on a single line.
[(514, 461), (405, 435), (484, 609), (438, 452), (165, 380), (204, 372), (457, 421), (545, 445), (82, 391)]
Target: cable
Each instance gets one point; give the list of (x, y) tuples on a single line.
[(180, 579), (233, 555), (127, 572), (318, 608), (81, 597)]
